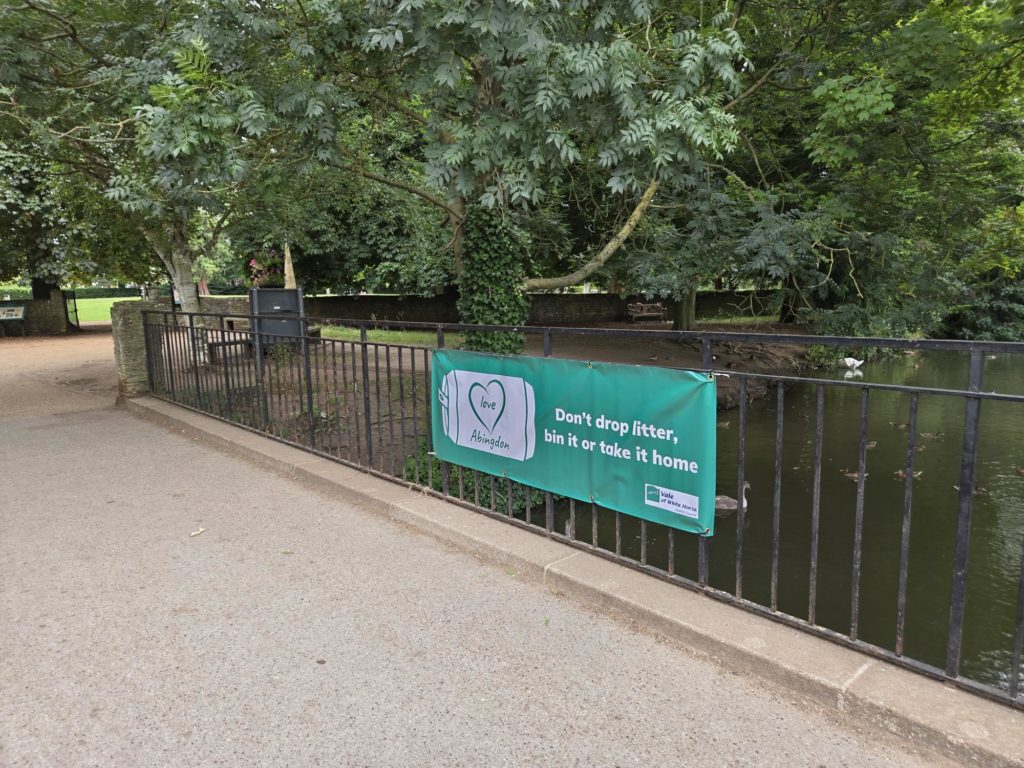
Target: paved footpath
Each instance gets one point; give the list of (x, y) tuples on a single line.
[(298, 631)]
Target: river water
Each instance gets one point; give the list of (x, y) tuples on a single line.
[(997, 533)]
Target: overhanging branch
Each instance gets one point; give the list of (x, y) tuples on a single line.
[(422, 193), (547, 283)]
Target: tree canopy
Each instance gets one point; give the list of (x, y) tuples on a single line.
[(865, 159)]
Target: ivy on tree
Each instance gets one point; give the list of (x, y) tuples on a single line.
[(490, 286)]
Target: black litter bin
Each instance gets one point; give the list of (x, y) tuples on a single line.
[(278, 313)]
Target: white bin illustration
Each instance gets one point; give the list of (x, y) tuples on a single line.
[(490, 413)]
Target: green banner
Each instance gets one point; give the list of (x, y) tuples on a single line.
[(637, 439)]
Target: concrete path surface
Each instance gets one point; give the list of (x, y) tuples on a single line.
[(295, 630)]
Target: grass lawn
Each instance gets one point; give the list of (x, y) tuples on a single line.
[(92, 310), (417, 338)]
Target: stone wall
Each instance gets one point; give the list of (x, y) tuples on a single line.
[(42, 317), (411, 309), (130, 346), (545, 308)]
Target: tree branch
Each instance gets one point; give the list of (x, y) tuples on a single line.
[(763, 79), (422, 193), (545, 283)]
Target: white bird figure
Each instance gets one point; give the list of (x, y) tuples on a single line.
[(726, 504), (853, 374), (852, 363)]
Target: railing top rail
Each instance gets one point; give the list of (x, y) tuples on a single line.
[(955, 345)]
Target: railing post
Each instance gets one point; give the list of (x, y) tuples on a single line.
[(440, 337), (963, 518), (547, 343)]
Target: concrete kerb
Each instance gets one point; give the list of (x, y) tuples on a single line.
[(929, 713)]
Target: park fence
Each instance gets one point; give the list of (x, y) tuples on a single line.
[(807, 562)]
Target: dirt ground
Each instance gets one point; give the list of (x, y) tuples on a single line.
[(66, 373)]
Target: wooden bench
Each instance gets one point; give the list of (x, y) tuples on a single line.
[(640, 311)]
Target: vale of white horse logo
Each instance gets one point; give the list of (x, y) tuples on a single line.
[(489, 412)]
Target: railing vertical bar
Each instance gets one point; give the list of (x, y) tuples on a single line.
[(270, 369), (741, 467), (415, 418), (707, 361), (508, 495), (908, 491), (671, 552), (194, 345), (780, 406), (320, 388), (572, 518), (1018, 637), (494, 494), (356, 417), (593, 524), (643, 542), (226, 346), (549, 512), (427, 415), (476, 487), (308, 370), (969, 458), (402, 419), (260, 406), (380, 409), (168, 348), (547, 344), (819, 429), (364, 352), (246, 410), (391, 407), (528, 514), (335, 398), (858, 525), (618, 534)]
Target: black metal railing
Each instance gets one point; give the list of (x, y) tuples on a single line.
[(851, 571)]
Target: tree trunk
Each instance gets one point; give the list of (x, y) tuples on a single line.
[(180, 263), (790, 299), (684, 316), (289, 269)]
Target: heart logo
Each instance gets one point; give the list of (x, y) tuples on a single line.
[(487, 403)]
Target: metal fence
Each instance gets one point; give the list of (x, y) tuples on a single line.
[(367, 404), (71, 308)]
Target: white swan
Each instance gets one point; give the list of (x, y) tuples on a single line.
[(726, 504), (852, 363)]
